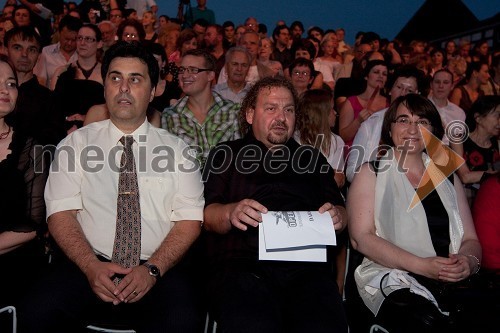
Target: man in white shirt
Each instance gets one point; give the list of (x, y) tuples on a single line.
[(367, 140), (238, 61), (59, 54), (158, 293), (442, 85)]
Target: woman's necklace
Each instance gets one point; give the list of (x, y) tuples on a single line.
[(5, 134), (86, 73)]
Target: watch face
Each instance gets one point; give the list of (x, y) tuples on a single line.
[(154, 271)]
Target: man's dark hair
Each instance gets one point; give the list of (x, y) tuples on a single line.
[(277, 30), (131, 50), (250, 100), (201, 22), (24, 34), (418, 106), (210, 62), (132, 23), (71, 23), (228, 24)]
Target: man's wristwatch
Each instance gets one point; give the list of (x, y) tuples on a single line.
[(153, 270)]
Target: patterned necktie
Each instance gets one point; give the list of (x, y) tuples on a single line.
[(127, 246)]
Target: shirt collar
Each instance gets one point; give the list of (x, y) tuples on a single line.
[(139, 134)]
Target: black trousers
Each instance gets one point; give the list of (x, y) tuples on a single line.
[(276, 297), (62, 301)]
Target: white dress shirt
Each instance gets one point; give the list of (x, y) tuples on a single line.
[(84, 177), (50, 60)]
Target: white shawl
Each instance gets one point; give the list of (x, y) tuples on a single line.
[(404, 227)]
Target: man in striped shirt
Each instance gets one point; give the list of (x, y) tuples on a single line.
[(202, 118)]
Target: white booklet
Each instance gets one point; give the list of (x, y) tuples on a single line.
[(295, 236)]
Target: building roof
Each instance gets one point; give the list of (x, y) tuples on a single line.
[(436, 19)]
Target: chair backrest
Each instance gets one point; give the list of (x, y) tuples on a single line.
[(108, 330), (11, 310)]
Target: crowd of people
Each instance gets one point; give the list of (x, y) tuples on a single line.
[(168, 138)]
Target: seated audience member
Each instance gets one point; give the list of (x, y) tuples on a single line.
[(250, 41), (78, 86), (281, 52), (59, 54), (438, 61), (202, 118), (316, 117), (229, 34), (108, 32), (441, 86), (124, 233), (465, 95), (355, 83), (493, 85), (160, 101), (301, 74), (245, 294), (266, 49), (23, 176), (450, 50), (149, 22), (481, 52), (413, 250), (33, 108), (304, 48), (238, 61), (131, 30), (168, 37), (458, 66), (359, 108), (186, 41), (480, 149), (365, 147), (328, 58), (213, 39), (486, 216)]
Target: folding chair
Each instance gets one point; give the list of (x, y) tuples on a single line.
[(12, 310)]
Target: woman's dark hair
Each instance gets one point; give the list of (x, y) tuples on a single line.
[(372, 63), (131, 50), (132, 23), (481, 107), (302, 62), (418, 106), (303, 44), (474, 66), (315, 28), (10, 118), (98, 33)]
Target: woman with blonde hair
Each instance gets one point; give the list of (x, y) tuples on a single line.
[(328, 58), (149, 22), (168, 38)]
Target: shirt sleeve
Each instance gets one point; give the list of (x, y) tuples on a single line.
[(188, 201), (63, 189)]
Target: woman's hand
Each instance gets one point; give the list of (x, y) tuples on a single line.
[(459, 269), (364, 114)]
